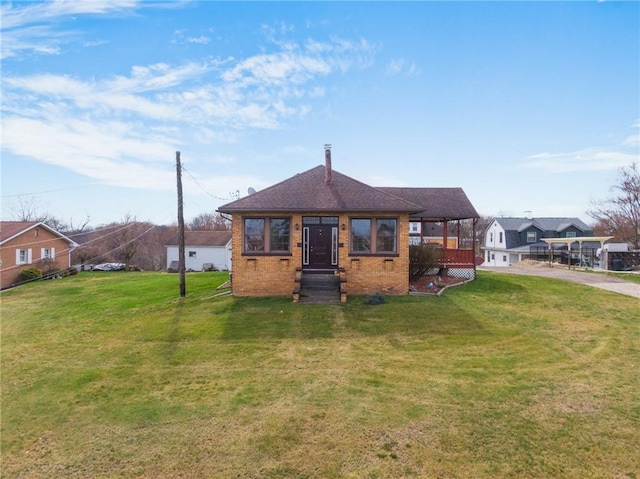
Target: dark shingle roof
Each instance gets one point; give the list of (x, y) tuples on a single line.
[(437, 203), (202, 238), (308, 191), (545, 224), (8, 229)]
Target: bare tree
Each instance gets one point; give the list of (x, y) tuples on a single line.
[(467, 231), (29, 209), (619, 215), (209, 222), (125, 242), (152, 253)]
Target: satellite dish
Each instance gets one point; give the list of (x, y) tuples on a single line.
[(251, 190)]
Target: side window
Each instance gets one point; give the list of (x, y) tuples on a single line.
[(254, 234), (361, 235), (386, 235), (280, 234), (23, 256)]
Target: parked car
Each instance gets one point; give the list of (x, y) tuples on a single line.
[(108, 267)]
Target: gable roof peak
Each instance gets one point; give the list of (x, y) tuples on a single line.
[(544, 223), (310, 191)]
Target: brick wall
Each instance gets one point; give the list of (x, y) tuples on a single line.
[(383, 274), (262, 275), (269, 275)]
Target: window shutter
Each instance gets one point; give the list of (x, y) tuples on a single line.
[(17, 256), (29, 256), (53, 253)]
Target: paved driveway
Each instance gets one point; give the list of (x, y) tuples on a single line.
[(596, 280)]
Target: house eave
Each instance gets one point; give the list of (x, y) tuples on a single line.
[(72, 243), (311, 211)]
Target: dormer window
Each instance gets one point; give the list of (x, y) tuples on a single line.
[(532, 236), (571, 234)]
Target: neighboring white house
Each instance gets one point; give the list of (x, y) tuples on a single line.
[(509, 240), (203, 250)]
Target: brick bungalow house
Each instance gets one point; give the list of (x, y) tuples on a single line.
[(321, 221), (25, 244)]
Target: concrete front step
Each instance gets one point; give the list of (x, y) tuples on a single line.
[(319, 288)]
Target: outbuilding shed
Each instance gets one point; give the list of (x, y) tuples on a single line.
[(204, 250)]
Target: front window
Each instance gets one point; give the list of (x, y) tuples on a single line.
[(386, 235), (47, 253), (279, 239), (267, 235), (531, 237), (192, 254), (382, 240), (361, 235), (23, 256)]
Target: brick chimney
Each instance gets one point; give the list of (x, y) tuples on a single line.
[(327, 164)]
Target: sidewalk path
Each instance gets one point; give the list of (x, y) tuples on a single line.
[(596, 280)]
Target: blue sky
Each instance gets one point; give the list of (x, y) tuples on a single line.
[(527, 106)]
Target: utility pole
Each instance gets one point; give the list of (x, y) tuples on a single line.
[(181, 261)]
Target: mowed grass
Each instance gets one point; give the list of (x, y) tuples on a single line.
[(111, 375)]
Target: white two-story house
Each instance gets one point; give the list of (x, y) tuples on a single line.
[(509, 240)]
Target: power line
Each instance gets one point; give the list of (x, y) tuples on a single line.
[(203, 188), (44, 192)]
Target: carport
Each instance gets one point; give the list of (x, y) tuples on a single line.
[(569, 241)]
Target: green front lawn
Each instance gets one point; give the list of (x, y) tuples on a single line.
[(112, 375)]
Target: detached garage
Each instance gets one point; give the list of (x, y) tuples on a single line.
[(203, 250)]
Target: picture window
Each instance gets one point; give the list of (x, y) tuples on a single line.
[(382, 240), (267, 235)]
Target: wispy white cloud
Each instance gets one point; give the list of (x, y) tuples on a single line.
[(100, 151), (31, 28), (201, 40), (100, 127), (399, 66), (94, 43), (589, 159), (16, 15), (632, 140)]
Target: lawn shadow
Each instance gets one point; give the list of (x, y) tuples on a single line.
[(278, 318), (173, 337)]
